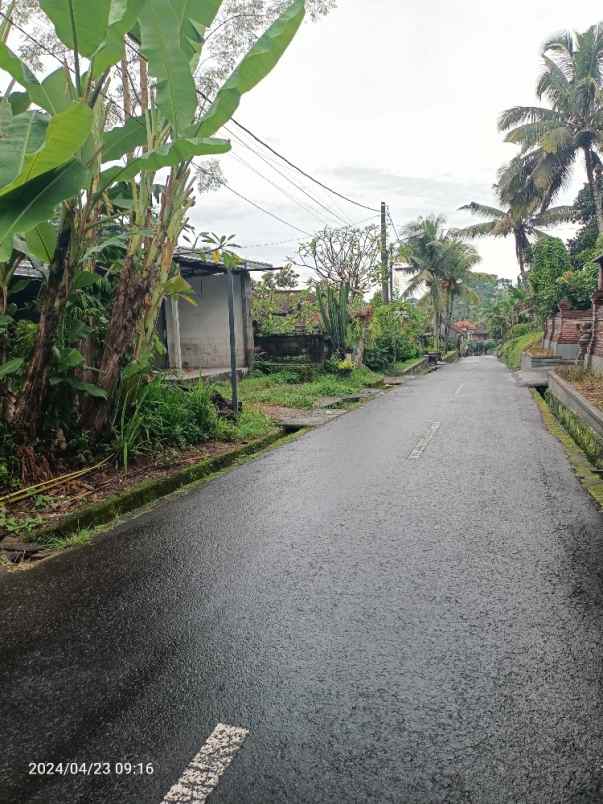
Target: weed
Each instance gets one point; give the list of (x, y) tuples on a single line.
[(80, 537), (19, 526)]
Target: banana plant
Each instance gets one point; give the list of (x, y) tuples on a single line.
[(58, 161)]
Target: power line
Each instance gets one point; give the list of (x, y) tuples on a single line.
[(262, 209), (276, 186), (237, 123), (391, 220), (300, 170), (287, 178)]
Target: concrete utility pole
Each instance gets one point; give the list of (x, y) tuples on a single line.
[(234, 378), (384, 255)]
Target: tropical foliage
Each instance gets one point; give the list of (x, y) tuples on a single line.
[(99, 191), (572, 122), (441, 262)]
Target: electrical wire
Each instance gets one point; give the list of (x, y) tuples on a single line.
[(345, 221), (305, 207), (243, 128), (265, 211)]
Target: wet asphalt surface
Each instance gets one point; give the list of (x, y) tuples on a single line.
[(389, 630)]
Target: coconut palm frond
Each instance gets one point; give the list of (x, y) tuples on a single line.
[(483, 210), (477, 230), (555, 215), (557, 139), (531, 135), (519, 115)]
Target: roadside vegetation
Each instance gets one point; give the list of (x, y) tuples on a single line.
[(556, 137), (284, 388), (99, 175), (512, 349)]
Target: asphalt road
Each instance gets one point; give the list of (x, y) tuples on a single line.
[(395, 611)]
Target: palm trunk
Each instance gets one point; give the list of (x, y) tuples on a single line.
[(521, 259), (590, 172)]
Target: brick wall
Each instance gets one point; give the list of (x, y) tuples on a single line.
[(561, 331)]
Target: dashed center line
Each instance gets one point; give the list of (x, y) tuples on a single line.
[(203, 773), (459, 389), (424, 442)]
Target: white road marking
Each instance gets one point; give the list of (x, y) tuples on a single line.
[(203, 773), (459, 389), (424, 442)]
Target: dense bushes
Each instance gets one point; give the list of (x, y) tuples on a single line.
[(394, 335), (550, 261), (173, 416), (578, 286)]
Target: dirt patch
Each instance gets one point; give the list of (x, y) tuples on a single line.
[(278, 412), (40, 511), (539, 351), (587, 383)]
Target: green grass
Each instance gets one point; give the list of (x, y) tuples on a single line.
[(277, 389), (251, 424), (510, 352), (79, 537)]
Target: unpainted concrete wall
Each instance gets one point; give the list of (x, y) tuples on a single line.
[(204, 328)]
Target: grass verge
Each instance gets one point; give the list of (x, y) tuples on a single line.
[(590, 480), (510, 352), (281, 388), (74, 526)]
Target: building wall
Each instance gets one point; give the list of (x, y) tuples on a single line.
[(204, 334), (596, 351), (561, 332)]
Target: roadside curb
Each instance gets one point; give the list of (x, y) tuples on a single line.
[(150, 491), (590, 480)]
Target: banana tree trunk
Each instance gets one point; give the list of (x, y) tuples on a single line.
[(27, 412), (590, 172), (127, 314)]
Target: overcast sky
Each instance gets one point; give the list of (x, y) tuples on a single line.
[(394, 101)]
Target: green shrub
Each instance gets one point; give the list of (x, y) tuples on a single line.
[(251, 424), (511, 350), (518, 330), (578, 286), (176, 417), (345, 367)]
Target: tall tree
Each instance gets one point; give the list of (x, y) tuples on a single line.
[(517, 222), (346, 256), (571, 82), (439, 261)]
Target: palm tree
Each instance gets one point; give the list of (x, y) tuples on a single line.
[(440, 261), (460, 259), (517, 221), (572, 83)]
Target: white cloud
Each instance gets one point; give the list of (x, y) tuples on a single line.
[(391, 101)]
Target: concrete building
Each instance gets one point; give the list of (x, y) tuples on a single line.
[(197, 336)]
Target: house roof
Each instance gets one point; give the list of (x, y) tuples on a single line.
[(466, 326), (201, 264)]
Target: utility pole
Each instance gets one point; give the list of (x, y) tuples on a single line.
[(234, 377), (384, 255)]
